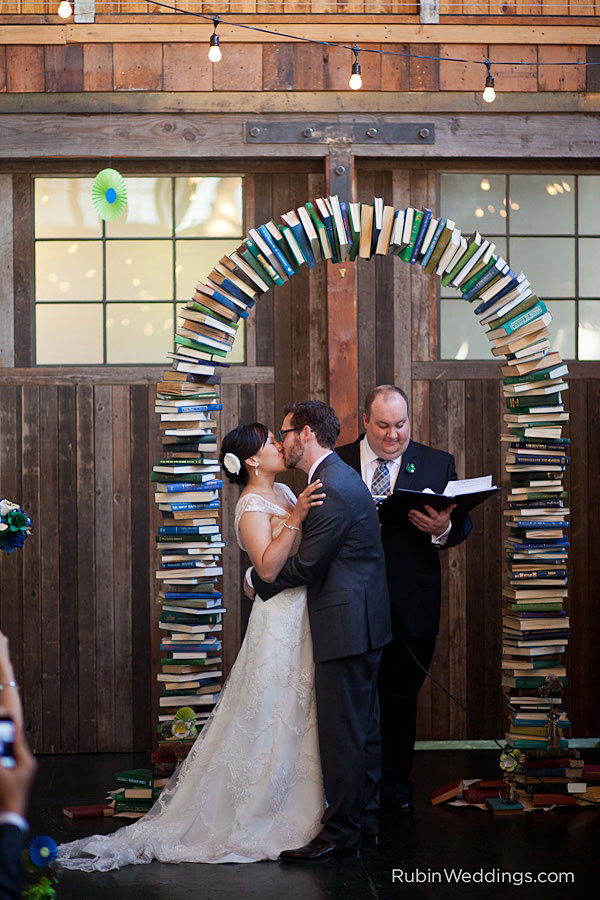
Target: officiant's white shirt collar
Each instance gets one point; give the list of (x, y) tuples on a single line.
[(368, 455), (317, 463)]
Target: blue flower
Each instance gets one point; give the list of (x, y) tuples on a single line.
[(43, 850)]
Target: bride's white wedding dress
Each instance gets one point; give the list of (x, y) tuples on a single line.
[(251, 786)]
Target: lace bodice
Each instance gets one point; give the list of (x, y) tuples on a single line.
[(258, 503)]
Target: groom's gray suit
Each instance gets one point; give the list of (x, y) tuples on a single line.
[(341, 561)]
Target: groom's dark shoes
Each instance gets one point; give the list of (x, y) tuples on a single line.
[(316, 850)]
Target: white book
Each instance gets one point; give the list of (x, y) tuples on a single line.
[(454, 248), (409, 214), (470, 264), (249, 271), (310, 231), (340, 228), (397, 228), (433, 224)]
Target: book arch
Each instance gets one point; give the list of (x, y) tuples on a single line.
[(535, 626)]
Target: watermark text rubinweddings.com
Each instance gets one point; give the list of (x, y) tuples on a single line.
[(479, 876)]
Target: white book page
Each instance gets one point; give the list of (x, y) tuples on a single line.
[(468, 486)]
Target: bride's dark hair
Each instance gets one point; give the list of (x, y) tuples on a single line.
[(244, 441)]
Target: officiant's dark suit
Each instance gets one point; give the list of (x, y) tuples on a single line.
[(414, 582), (12, 841), (341, 561)]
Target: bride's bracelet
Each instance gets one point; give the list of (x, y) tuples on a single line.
[(291, 527)]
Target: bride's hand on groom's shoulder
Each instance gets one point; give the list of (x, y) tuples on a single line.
[(311, 496)]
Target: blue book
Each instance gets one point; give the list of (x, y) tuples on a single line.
[(434, 240), (183, 529), (485, 279), (233, 289), (512, 284), (192, 595), (224, 301), (207, 407), (303, 242), (173, 487), (421, 235), (499, 806), (539, 523), (192, 564), (281, 258)]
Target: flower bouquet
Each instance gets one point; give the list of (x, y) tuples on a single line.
[(15, 526)]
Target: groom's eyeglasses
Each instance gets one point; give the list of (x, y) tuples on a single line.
[(283, 431)]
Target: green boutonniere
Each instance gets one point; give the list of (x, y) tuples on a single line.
[(410, 468)]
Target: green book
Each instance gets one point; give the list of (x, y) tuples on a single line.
[(515, 311), (414, 232), (257, 267), (264, 262), (440, 247), (321, 230), (192, 461), (135, 778), (529, 404), (536, 375), (196, 345), (183, 619), (535, 607), (472, 248), (188, 477), (142, 806), (472, 281), (295, 250)]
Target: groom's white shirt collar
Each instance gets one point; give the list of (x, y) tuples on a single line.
[(317, 463)]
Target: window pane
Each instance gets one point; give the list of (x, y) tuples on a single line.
[(195, 259), (139, 270), (462, 337), (237, 354), (548, 263), (149, 209), (208, 207), (542, 204), (474, 202), (589, 329), (68, 334), (138, 332), (63, 208), (562, 327), (589, 204), (68, 270), (589, 267)]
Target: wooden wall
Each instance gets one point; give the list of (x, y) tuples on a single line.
[(77, 447)]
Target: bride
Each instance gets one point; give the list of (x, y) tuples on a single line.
[(251, 785)]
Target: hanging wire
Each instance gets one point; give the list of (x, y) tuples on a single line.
[(294, 37)]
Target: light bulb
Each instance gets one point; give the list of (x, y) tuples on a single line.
[(489, 94), (214, 51), (355, 81), (64, 9)]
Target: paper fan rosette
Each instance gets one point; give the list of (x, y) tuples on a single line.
[(109, 194)]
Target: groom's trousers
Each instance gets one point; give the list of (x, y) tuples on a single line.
[(400, 680), (350, 746)]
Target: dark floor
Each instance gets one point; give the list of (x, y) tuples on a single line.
[(436, 839)]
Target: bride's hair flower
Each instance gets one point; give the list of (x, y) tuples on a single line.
[(232, 463)]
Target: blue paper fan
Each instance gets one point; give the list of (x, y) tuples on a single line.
[(109, 194)]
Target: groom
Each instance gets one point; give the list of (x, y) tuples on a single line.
[(341, 561)]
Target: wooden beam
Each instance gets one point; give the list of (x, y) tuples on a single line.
[(200, 136), (7, 311), (307, 102), (342, 308), (144, 32), (58, 375)]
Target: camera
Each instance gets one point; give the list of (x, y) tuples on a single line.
[(7, 742)]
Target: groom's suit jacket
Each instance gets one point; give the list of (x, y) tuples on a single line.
[(411, 559), (12, 841), (341, 561)]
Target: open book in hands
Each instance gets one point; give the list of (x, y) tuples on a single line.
[(466, 494)]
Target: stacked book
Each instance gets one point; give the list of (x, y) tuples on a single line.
[(536, 625), (552, 778), (137, 791)]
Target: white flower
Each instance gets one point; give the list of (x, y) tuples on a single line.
[(3, 526), (6, 506), (232, 463)]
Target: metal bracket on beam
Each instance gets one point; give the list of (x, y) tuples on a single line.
[(85, 11), (429, 12), (339, 132)]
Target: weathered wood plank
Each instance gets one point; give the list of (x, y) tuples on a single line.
[(142, 597), (97, 67), (23, 268), (64, 67), (121, 515), (366, 309), (231, 555), (137, 66), (317, 313), (86, 561), (186, 67), (24, 68), (593, 623), (11, 613), (104, 554), (122, 375), (67, 611), (7, 313), (49, 570), (401, 289)]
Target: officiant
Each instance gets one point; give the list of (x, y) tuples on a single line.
[(387, 459)]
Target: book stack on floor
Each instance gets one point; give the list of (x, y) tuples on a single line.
[(552, 778), (136, 792)]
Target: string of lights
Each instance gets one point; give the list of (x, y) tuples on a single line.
[(355, 82)]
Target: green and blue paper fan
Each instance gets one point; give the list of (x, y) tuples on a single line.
[(109, 194)]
